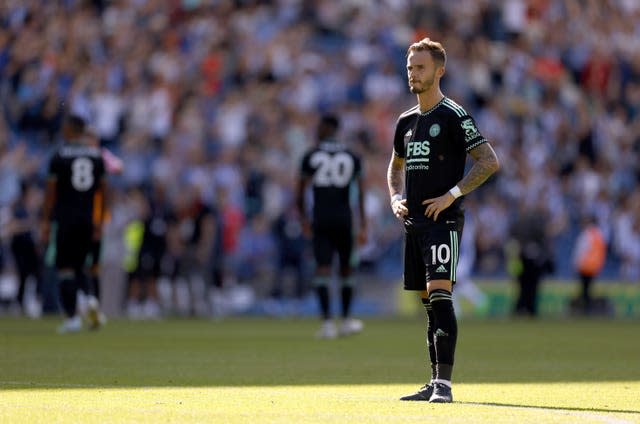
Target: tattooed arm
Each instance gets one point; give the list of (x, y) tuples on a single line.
[(395, 180), (395, 175), (486, 163)]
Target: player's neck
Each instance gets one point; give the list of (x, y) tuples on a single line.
[(428, 99)]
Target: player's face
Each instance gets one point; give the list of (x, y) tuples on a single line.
[(422, 71)]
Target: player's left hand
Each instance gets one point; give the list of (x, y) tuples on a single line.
[(437, 205)]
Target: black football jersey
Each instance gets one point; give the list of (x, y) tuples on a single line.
[(434, 145), (332, 168), (78, 170)]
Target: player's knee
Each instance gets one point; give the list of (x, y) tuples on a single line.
[(321, 281), (323, 270), (347, 281), (440, 285), (65, 274)]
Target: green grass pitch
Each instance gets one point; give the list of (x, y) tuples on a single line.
[(251, 370)]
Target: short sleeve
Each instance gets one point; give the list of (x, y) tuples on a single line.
[(399, 139), (305, 166), (357, 166), (472, 136), (54, 166)]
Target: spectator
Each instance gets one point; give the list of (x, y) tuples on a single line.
[(530, 247), (24, 246), (291, 256), (172, 77), (589, 255)]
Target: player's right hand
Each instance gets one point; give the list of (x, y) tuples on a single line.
[(399, 208)]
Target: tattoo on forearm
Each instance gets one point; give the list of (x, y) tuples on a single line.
[(486, 163), (395, 177)]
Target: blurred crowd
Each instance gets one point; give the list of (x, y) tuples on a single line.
[(213, 102)]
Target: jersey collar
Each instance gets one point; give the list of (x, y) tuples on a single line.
[(434, 107)]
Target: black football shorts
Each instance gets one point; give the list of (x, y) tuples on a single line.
[(329, 239), (73, 244), (431, 252)]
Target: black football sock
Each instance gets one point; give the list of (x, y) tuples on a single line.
[(431, 347), (68, 288), (322, 290), (94, 284), (445, 333), (346, 295)]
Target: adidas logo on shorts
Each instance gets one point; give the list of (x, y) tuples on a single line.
[(441, 268)]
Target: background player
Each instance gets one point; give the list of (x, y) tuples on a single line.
[(430, 147), (332, 170), (74, 200)]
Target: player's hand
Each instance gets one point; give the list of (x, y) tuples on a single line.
[(399, 208), (437, 205)]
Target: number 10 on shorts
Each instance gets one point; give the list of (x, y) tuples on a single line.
[(440, 254)]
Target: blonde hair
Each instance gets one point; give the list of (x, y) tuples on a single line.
[(433, 47)]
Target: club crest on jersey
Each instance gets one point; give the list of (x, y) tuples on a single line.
[(434, 130), (470, 130)]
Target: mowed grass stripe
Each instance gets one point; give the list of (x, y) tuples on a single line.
[(305, 404), (263, 352), (261, 370)]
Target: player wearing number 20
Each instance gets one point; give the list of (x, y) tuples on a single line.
[(74, 201), (332, 170)]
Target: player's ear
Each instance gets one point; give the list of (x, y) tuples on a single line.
[(440, 71)]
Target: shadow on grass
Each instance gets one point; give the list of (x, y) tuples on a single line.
[(554, 408)]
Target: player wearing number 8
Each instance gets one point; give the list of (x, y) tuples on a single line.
[(332, 170), (74, 200)]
